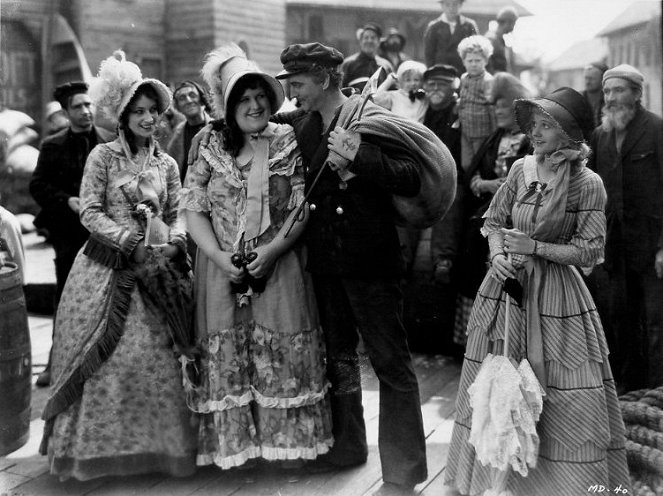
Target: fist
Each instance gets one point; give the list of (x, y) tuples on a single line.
[(344, 142)]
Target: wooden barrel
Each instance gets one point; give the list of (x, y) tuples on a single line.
[(15, 362)]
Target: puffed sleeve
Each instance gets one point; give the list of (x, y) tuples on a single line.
[(93, 196), (194, 193), (502, 203), (589, 235), (286, 160)]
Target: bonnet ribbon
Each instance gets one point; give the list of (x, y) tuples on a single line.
[(146, 178), (548, 227), (257, 196)]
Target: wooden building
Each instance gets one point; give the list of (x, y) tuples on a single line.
[(42, 40), (335, 22), (569, 68), (634, 37)]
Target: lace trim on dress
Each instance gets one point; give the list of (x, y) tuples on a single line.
[(234, 401)]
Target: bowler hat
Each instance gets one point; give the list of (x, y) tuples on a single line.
[(442, 71), (300, 58), (64, 91), (569, 109)]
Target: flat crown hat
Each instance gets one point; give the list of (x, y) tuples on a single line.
[(627, 72), (62, 92), (568, 107), (299, 58), (443, 71)]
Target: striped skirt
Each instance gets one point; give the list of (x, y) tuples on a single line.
[(581, 428)]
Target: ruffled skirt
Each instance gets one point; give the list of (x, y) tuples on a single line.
[(132, 417), (581, 428), (263, 390)]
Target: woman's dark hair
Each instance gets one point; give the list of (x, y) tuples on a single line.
[(233, 136), (143, 90)]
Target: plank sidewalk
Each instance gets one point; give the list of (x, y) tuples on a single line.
[(25, 472)]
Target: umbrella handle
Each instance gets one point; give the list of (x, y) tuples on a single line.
[(507, 319)]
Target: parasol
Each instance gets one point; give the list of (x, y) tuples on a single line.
[(506, 400)]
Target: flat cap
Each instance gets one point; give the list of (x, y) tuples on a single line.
[(64, 91), (370, 26), (300, 58), (442, 71), (627, 72)]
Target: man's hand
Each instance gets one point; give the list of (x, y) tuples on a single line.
[(344, 142), (658, 264), (74, 203)]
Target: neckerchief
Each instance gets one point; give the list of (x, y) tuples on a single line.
[(548, 221), (257, 195), (145, 177)]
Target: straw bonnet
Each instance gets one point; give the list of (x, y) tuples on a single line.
[(223, 69), (116, 84)]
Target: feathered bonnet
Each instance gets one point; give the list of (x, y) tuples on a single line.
[(224, 67), (116, 84)]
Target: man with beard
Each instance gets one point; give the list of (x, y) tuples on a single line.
[(189, 99), (628, 155), (355, 260), (360, 66), (57, 179)]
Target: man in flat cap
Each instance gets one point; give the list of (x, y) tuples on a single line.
[(628, 155), (360, 66), (501, 59), (443, 34), (56, 181), (355, 259)]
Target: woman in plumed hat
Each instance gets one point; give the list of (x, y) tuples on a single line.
[(543, 223), (117, 405), (263, 391)]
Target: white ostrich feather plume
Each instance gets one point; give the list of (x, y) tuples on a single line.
[(116, 76)]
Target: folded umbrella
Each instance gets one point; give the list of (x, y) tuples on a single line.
[(506, 400)]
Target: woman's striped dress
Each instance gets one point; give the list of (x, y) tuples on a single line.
[(581, 428)]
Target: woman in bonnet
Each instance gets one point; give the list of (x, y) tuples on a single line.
[(117, 406), (263, 391), (556, 208)]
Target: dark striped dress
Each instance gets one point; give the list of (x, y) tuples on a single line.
[(581, 428)]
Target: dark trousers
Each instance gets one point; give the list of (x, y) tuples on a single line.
[(445, 236), (631, 308), (372, 307)]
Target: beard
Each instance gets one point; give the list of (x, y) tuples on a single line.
[(617, 116)]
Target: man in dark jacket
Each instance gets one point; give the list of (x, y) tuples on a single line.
[(57, 179), (360, 66), (441, 118), (628, 155), (443, 34), (354, 256)]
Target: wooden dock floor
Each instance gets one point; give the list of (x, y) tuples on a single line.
[(25, 472)]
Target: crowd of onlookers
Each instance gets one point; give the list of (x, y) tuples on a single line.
[(269, 212)]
